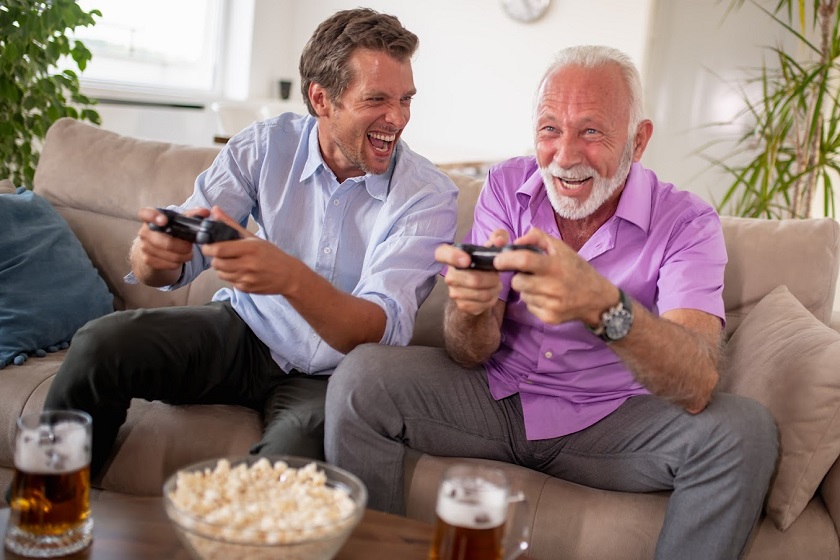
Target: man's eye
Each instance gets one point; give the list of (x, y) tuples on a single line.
[(406, 100)]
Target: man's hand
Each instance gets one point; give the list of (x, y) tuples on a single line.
[(252, 264), (156, 257), (557, 286), (473, 291)]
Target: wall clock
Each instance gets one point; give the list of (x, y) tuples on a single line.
[(525, 10)]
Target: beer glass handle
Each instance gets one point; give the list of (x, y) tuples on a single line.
[(517, 530)]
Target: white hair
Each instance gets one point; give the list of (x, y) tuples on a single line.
[(596, 56)]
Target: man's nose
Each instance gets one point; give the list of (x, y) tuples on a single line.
[(567, 151), (397, 115)]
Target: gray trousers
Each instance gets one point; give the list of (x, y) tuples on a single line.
[(717, 463), (186, 355)]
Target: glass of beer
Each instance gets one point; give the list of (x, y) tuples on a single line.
[(478, 517), (50, 498)]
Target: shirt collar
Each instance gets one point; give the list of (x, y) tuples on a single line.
[(633, 206), (377, 186)]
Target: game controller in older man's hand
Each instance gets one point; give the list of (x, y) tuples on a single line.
[(194, 230), (482, 257)]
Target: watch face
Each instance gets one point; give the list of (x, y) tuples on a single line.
[(525, 10), (618, 324)]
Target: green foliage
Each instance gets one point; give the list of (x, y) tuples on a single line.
[(33, 93), (792, 153)]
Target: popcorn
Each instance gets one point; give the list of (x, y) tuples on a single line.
[(260, 505)]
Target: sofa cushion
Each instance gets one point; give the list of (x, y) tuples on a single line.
[(50, 288), (783, 357), (764, 254)]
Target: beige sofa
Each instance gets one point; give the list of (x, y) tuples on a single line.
[(97, 180)]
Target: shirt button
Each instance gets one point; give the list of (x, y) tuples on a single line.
[(549, 355), (327, 250), (336, 202)]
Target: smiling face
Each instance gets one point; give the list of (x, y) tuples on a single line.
[(583, 144), (357, 134)]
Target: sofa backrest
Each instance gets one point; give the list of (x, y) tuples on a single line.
[(98, 180), (764, 254)]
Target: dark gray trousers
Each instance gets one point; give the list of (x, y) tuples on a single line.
[(717, 463), (186, 355)]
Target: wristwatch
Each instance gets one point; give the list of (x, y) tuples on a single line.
[(615, 321)]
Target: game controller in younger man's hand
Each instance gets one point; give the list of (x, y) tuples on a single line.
[(194, 230), (482, 257)]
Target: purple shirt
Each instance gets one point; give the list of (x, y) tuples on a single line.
[(663, 247)]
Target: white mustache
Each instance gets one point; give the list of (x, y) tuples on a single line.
[(576, 173)]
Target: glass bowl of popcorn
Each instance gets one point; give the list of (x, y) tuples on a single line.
[(260, 507)]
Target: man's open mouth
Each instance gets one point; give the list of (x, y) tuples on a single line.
[(572, 184), (381, 142)]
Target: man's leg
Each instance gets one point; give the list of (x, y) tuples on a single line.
[(294, 417), (718, 464), (198, 354), (383, 398)]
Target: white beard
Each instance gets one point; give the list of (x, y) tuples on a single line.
[(602, 189)]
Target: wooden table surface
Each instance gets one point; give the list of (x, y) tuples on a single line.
[(128, 528)]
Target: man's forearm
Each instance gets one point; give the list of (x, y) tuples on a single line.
[(342, 320), (148, 275), (671, 360), (470, 339)]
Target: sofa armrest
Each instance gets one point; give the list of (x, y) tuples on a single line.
[(830, 492)]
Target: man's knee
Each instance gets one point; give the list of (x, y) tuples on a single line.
[(366, 370), (750, 432), (92, 359), (102, 337)]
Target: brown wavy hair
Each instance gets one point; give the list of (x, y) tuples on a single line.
[(325, 58)]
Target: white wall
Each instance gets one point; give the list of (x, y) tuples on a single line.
[(697, 59), (476, 70)]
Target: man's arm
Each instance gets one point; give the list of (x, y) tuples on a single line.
[(674, 356), (471, 339), (473, 317), (256, 266)]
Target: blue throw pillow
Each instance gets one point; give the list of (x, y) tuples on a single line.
[(48, 286)]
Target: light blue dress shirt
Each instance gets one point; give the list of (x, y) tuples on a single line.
[(372, 236)]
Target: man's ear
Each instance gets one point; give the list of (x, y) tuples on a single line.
[(643, 133), (319, 99)]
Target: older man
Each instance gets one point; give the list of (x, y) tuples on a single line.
[(593, 360)]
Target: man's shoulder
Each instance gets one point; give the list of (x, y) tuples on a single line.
[(413, 171), (514, 171), (287, 123), (667, 197)]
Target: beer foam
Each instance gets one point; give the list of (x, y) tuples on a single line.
[(480, 508), (66, 451)]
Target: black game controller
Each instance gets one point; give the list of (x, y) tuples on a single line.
[(194, 230), (482, 257)]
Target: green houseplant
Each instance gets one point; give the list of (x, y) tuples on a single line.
[(789, 159), (34, 93)]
